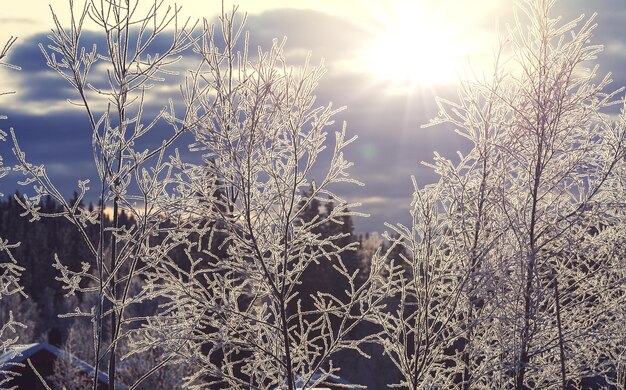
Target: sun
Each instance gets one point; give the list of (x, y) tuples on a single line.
[(423, 42), (413, 48)]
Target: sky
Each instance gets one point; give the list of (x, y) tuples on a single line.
[(386, 62)]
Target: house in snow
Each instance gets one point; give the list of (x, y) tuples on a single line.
[(42, 356)]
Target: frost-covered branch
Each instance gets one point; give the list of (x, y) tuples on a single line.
[(134, 183), (241, 305), (529, 212), (10, 270)]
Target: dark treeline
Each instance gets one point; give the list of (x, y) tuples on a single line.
[(40, 241)]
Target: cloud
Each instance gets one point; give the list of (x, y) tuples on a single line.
[(40, 90), (391, 142), (60, 141), (324, 36), (390, 146)]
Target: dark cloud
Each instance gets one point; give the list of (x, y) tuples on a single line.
[(39, 83), (324, 35), (60, 141)]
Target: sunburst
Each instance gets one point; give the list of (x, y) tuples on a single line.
[(424, 42)]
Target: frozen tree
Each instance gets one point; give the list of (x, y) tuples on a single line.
[(9, 283), (10, 272), (558, 151), (419, 324), (510, 274), (368, 247), (530, 212), (235, 307), (9, 279), (133, 172), (467, 196), (607, 247)]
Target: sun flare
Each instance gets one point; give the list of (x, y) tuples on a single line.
[(424, 42), (413, 49)]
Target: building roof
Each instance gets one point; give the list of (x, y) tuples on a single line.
[(19, 354)]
